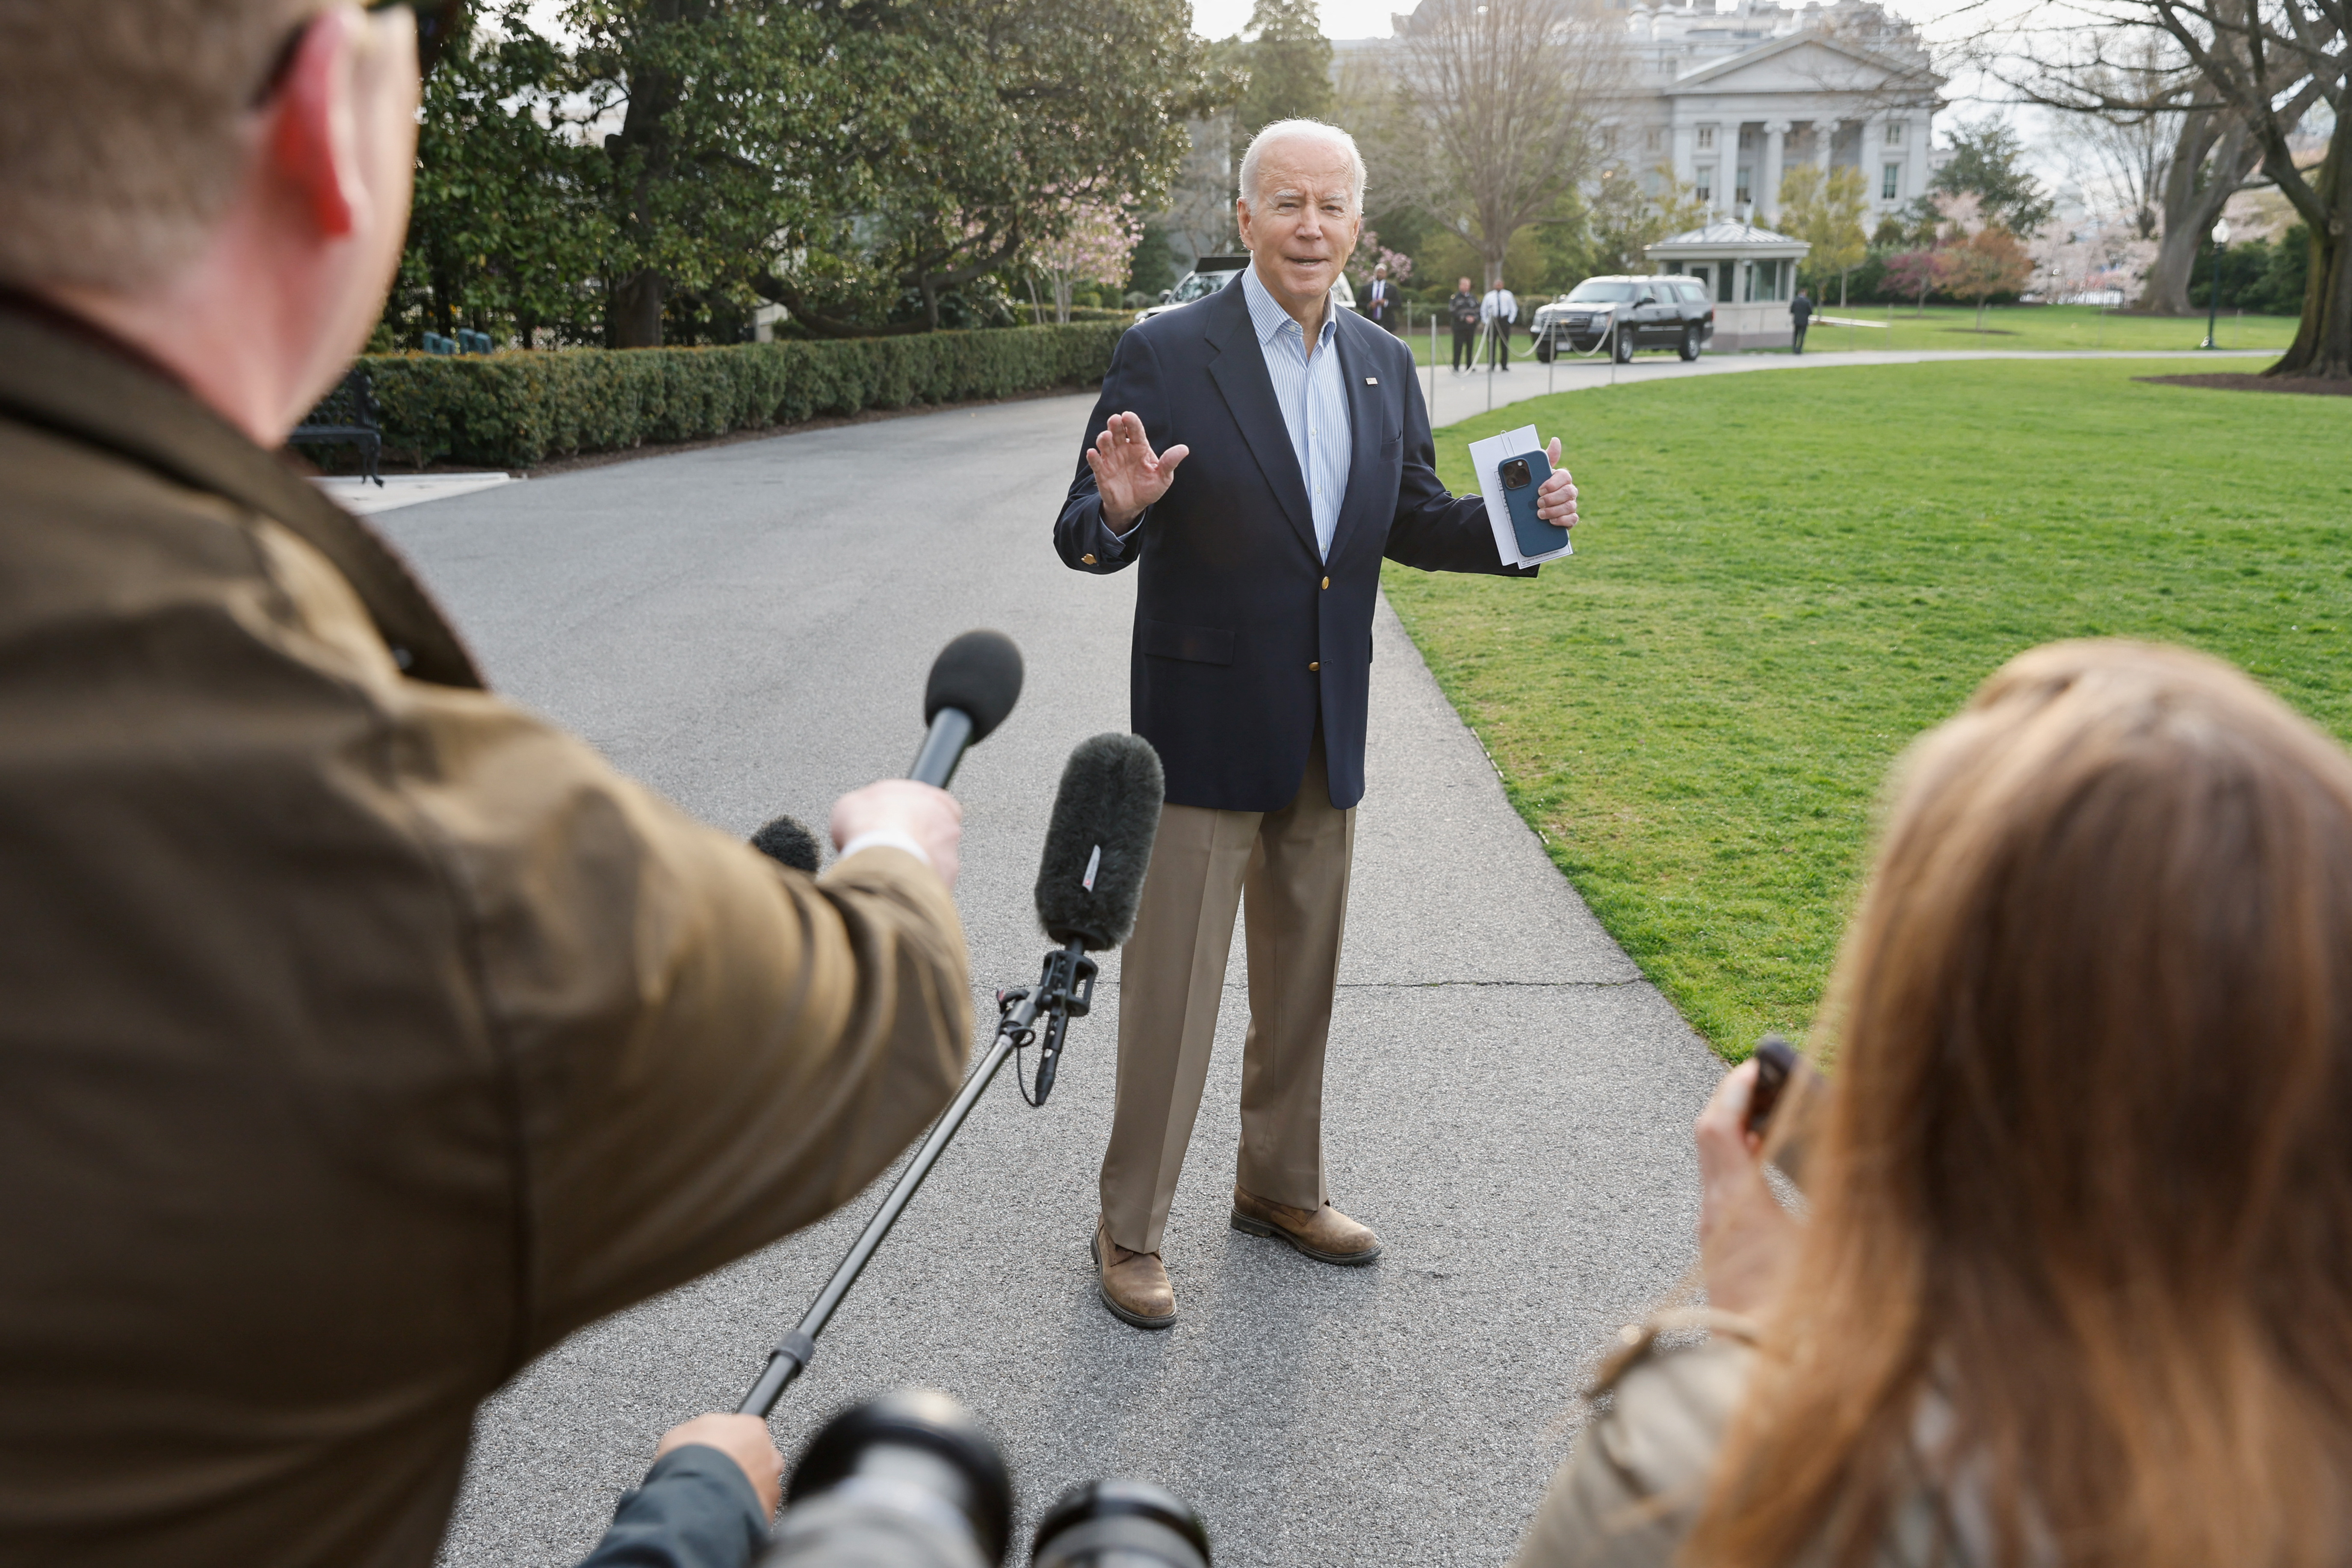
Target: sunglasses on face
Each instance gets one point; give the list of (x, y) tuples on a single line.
[(436, 24)]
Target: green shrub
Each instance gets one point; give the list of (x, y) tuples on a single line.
[(511, 410)]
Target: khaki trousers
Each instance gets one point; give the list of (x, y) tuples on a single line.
[(1291, 866)]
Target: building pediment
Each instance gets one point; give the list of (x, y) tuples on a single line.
[(1808, 62)]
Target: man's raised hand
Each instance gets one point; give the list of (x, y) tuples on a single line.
[(1129, 474)]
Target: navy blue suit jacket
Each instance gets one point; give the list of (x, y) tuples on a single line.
[(1244, 638)]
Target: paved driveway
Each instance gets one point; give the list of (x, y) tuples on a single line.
[(747, 627)]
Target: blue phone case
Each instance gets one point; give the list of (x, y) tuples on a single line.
[(1536, 536)]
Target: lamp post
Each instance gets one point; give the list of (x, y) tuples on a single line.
[(2213, 305)]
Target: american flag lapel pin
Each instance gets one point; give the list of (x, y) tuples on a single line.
[(1371, 381)]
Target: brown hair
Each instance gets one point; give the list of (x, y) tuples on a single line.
[(120, 125), (2085, 1188)]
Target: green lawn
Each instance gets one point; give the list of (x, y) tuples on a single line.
[(2040, 327), (2007, 327), (1782, 580)]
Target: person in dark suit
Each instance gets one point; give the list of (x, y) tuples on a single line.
[(1801, 316), (1294, 456), (1463, 309), (1380, 301)]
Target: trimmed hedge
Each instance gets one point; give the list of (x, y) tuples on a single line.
[(514, 409)]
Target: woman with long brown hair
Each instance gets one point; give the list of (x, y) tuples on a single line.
[(2075, 1287)]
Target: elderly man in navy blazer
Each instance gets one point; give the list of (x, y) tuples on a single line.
[(1292, 454)]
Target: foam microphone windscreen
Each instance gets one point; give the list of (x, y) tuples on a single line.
[(980, 672), (787, 842), (1099, 842)]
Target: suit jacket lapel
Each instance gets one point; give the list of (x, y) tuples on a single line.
[(1239, 371), (1365, 405)]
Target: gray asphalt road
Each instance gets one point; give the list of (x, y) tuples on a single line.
[(747, 627)]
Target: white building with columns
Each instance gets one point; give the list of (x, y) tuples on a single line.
[(1729, 99)]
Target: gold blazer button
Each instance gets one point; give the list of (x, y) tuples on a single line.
[(1315, 664), (1088, 558)]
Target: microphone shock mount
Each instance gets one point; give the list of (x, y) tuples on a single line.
[(1066, 991)]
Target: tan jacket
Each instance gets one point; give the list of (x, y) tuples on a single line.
[(1629, 1493), (361, 1035)]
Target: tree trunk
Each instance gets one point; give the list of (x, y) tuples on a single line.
[(2323, 343), (2210, 161), (636, 310)]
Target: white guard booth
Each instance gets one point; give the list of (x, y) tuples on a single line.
[(1750, 271)]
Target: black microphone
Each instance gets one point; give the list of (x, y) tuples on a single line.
[(974, 683), (1098, 843), (786, 842), (1098, 847)]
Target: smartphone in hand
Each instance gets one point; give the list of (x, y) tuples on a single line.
[(1786, 1082), (1522, 476)]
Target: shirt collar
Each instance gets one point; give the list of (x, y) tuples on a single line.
[(1268, 317)]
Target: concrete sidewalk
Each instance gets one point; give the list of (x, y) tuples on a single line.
[(1509, 1103)]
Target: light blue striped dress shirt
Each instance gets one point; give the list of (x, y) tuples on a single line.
[(1313, 397)]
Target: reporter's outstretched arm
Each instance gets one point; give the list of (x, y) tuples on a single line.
[(706, 1502), (699, 1050)]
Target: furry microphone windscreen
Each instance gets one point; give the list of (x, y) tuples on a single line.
[(980, 672), (1100, 843), (788, 842)]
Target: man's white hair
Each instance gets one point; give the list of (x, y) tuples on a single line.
[(1310, 130)]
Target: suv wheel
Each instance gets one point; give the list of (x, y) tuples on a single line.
[(1690, 343), (1544, 351), (1623, 348)]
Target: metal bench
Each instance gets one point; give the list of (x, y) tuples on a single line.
[(346, 416)]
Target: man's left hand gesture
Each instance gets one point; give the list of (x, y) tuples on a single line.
[(1556, 496)]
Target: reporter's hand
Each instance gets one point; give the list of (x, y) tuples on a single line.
[(1556, 496), (1128, 472), (931, 817), (1744, 1236), (742, 1438)]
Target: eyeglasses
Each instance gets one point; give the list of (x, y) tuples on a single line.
[(437, 22)]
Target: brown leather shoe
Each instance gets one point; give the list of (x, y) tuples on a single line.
[(1134, 1284), (1324, 1235)]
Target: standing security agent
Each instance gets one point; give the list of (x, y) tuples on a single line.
[(1463, 310), (1499, 309), (1304, 460), (1801, 316)]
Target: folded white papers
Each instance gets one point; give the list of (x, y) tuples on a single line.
[(1486, 456)]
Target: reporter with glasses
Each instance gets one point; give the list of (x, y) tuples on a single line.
[(2075, 1289), (361, 1035)]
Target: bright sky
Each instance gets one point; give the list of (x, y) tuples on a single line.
[(1370, 18)]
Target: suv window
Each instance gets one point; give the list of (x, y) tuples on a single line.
[(1201, 285), (1692, 293), (1596, 291)]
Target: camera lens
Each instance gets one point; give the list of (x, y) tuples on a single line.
[(1515, 474), (1120, 1524), (910, 1475)]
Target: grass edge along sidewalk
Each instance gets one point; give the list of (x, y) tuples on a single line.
[(515, 409), (1781, 580)]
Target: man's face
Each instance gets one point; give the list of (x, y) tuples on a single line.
[(1462, 285), (1300, 224)]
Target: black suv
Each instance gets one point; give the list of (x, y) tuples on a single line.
[(1648, 314)]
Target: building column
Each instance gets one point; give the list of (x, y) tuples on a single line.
[(1768, 200), (1681, 137), (1919, 165)]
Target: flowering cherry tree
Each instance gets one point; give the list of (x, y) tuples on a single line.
[(1370, 253), (1096, 243), (1912, 273)]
